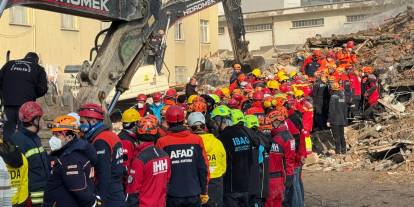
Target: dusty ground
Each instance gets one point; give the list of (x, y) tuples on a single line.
[(358, 189)]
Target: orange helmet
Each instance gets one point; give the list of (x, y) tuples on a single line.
[(241, 78), (64, 123), (369, 70), (148, 125), (198, 107), (335, 86), (280, 114)]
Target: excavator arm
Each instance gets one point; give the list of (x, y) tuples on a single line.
[(126, 43)]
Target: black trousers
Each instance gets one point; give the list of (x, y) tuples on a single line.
[(215, 193), (236, 199), (12, 121), (193, 201), (339, 136)]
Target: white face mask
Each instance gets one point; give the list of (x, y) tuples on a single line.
[(55, 143), (158, 103), (140, 105)]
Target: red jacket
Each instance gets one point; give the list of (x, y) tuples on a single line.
[(372, 92), (306, 108), (284, 140), (355, 84), (149, 175)]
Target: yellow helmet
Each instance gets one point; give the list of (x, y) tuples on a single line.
[(130, 115), (293, 74), (226, 92), (298, 93), (257, 72), (283, 78), (272, 84), (191, 99), (64, 123), (268, 102), (281, 73)]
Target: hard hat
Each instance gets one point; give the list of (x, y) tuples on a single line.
[(196, 118), (267, 103), (148, 125), (307, 91), (216, 98), (76, 116), (258, 96), (233, 103), (293, 74), (241, 77), (255, 111), (191, 99), (219, 93), (142, 97), (257, 72), (91, 110), (156, 97), (237, 116), (226, 92), (251, 121), (272, 84), (280, 114), (331, 54), (266, 91), (279, 101), (283, 78), (317, 53), (198, 107), (350, 44), (335, 86), (298, 93), (236, 91), (369, 70), (29, 111), (171, 93), (130, 115), (64, 123), (222, 111), (280, 73), (238, 97), (285, 88), (175, 114)]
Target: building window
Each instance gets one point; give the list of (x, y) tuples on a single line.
[(180, 74), (68, 22), (258, 27), (18, 15), (204, 37), (308, 23), (356, 18), (221, 30), (179, 30)]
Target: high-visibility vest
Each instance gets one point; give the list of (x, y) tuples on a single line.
[(19, 182)]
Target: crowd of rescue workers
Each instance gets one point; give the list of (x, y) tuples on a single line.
[(241, 145)]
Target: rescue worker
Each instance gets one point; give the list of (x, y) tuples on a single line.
[(320, 100), (237, 143), (71, 183), (151, 167), (312, 63), (109, 169), (129, 141), (20, 81), (18, 169), (28, 141), (356, 87), (216, 158), (189, 172), (236, 72), (5, 186), (170, 97), (282, 161), (142, 106), (190, 88), (156, 106), (337, 118), (371, 93)]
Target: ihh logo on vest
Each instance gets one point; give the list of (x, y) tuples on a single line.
[(159, 167)]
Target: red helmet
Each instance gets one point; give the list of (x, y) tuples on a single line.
[(284, 88), (142, 97), (350, 44), (317, 53), (156, 97), (258, 96), (331, 54), (171, 93), (219, 93), (91, 111), (307, 91), (266, 91), (29, 111), (175, 114), (255, 111), (233, 103)]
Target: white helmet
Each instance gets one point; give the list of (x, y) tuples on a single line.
[(196, 118)]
